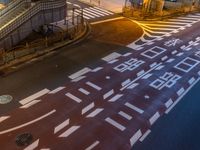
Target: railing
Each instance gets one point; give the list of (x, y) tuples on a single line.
[(74, 27), (10, 6), (28, 14)]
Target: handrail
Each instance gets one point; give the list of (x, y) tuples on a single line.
[(28, 14), (10, 6)]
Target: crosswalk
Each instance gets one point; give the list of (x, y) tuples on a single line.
[(158, 29), (91, 12)]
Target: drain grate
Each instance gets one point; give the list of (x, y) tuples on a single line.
[(5, 99), (24, 139)]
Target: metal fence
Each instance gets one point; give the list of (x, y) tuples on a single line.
[(64, 31)]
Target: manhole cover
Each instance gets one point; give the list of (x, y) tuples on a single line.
[(24, 139), (4, 99)]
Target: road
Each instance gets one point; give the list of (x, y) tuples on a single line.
[(110, 103)]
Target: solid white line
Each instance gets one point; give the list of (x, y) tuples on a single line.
[(34, 96), (80, 73), (30, 104), (3, 118), (28, 123), (95, 112), (57, 90), (93, 145), (135, 137), (115, 98), (84, 91), (134, 108), (76, 99), (69, 131), (33, 145), (115, 124), (176, 102), (145, 135), (61, 126), (93, 85), (108, 94), (125, 115), (153, 119), (87, 108), (107, 20)]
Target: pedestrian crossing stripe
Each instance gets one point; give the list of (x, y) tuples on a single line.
[(93, 12)]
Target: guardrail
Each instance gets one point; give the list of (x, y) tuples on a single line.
[(28, 14)]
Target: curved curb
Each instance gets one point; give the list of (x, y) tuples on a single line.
[(46, 52)]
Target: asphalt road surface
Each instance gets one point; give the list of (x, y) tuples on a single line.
[(113, 103)]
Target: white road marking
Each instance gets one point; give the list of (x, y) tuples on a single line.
[(169, 103), (115, 98), (134, 108), (103, 10), (34, 96), (78, 78), (84, 91), (30, 104), (87, 108), (57, 90), (80, 73), (93, 85), (95, 112), (3, 118), (92, 11), (180, 91), (33, 145), (69, 131), (97, 69), (135, 137), (61, 126), (76, 99), (133, 85), (178, 100), (98, 12), (115, 124), (153, 119), (145, 135), (111, 56), (164, 58), (147, 76), (125, 115), (92, 145), (191, 81), (28, 123), (108, 94), (133, 81)]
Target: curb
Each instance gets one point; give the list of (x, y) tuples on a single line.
[(4, 69)]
